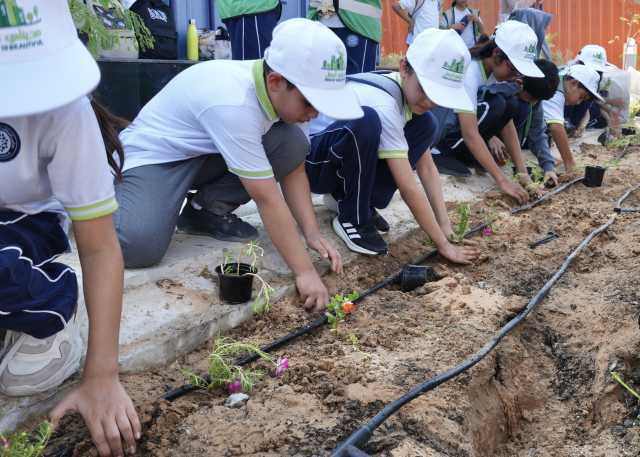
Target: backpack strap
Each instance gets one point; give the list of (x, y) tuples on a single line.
[(379, 81)]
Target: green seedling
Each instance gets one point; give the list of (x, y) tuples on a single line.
[(339, 306), (251, 252), (461, 227), (222, 370), (537, 173), (619, 380), (23, 444), (355, 344)]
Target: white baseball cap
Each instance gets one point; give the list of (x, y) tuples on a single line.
[(594, 56), (520, 43), (588, 77), (43, 64), (312, 58), (440, 58)]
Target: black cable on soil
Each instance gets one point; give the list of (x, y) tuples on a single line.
[(619, 209), (546, 196), (363, 434)]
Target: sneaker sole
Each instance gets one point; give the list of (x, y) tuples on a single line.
[(350, 244), (71, 367), (216, 235)]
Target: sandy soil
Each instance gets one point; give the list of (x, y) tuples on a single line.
[(545, 392)]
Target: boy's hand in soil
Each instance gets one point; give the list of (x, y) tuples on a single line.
[(108, 412), (327, 251), (459, 254), (514, 190), (532, 188), (312, 291), (498, 150), (551, 177)]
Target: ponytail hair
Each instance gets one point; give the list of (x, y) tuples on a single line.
[(483, 49), (110, 126)]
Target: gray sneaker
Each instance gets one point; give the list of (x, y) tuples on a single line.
[(31, 365)]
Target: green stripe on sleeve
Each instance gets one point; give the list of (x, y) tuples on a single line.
[(93, 211), (252, 174), (398, 154)]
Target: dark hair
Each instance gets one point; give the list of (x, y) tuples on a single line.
[(542, 88), (266, 70), (110, 126), (580, 85), (483, 49)]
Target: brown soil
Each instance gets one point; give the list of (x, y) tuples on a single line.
[(545, 391)]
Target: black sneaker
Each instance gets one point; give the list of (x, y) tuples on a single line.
[(449, 166), (379, 222), (228, 227), (360, 238)]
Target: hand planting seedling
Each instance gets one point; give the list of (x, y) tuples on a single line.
[(22, 444), (339, 307), (223, 372), (461, 227), (231, 265)]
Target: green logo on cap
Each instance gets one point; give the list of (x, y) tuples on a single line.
[(335, 68), (530, 51), (11, 15), (454, 70), (599, 57)]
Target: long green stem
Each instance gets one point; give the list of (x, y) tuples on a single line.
[(617, 377)]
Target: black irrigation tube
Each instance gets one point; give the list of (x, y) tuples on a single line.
[(313, 325), (620, 209), (349, 447), (546, 196)]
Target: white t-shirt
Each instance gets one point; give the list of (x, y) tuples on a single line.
[(553, 108), (55, 161), (393, 143), (427, 15), (475, 77), (214, 107), (467, 34)]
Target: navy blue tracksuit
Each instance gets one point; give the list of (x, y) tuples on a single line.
[(251, 34), (343, 161)]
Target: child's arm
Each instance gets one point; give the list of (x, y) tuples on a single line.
[(400, 11), (559, 135), (100, 398), (415, 199), (430, 179), (478, 147)]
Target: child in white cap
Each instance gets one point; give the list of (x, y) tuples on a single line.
[(509, 55), (362, 163), (53, 166), (578, 83), (226, 129)]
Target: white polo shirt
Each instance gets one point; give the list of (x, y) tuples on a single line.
[(425, 13), (56, 161), (553, 108), (393, 143), (214, 107), (475, 77)]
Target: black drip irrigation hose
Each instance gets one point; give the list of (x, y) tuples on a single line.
[(546, 196), (349, 447), (619, 209), (313, 325)]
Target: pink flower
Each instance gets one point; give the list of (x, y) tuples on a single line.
[(282, 366), (5, 442), (488, 231), (235, 387)]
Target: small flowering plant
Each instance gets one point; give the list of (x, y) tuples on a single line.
[(223, 372), (487, 231), (339, 306), (22, 444)]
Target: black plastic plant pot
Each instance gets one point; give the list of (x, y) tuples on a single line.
[(414, 276), (235, 288), (593, 176)]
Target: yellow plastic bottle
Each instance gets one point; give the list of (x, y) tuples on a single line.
[(192, 40)]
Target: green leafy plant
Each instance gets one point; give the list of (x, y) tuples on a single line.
[(464, 215), (537, 173), (99, 37), (223, 372), (23, 444), (339, 306), (625, 141), (355, 344), (250, 252)]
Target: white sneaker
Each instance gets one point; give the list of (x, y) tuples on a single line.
[(31, 365)]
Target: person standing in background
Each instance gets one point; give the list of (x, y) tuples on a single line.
[(419, 14), (250, 24), (357, 23), (509, 6), (464, 20)]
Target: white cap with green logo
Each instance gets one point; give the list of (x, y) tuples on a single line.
[(440, 59), (587, 76), (594, 56), (43, 64), (520, 43), (312, 58)]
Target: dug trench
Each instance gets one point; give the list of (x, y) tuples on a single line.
[(546, 391)]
